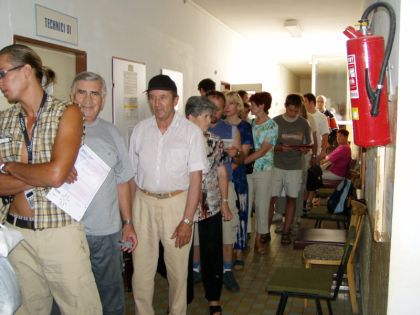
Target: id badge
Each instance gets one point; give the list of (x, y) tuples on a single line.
[(30, 197)]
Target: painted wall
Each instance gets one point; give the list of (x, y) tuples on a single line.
[(379, 191), (289, 83), (162, 33), (389, 269), (305, 85), (334, 86), (404, 277)]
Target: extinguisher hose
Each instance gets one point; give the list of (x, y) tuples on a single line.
[(375, 96)]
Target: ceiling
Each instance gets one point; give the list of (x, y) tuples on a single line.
[(261, 21)]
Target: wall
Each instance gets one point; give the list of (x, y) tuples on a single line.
[(305, 85), (404, 277), (389, 269), (289, 83), (380, 164), (162, 33), (334, 86)]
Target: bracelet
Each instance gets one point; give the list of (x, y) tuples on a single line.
[(127, 221), (225, 200), (188, 221), (2, 170), (238, 153), (314, 155)]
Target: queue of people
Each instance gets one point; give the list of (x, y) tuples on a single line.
[(188, 182)]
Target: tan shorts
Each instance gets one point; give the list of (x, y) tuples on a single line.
[(289, 180)]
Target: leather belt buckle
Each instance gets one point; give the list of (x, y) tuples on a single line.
[(162, 195)]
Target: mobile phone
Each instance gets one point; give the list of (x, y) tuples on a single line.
[(126, 244)]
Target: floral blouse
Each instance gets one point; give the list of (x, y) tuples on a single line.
[(211, 199)]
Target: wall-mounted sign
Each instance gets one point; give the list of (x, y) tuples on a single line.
[(56, 25)]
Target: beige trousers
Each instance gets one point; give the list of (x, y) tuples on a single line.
[(261, 189), (54, 263), (230, 228), (156, 220)]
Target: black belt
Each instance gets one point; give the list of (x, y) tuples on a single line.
[(24, 224)]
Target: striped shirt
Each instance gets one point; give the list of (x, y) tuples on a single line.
[(12, 142)]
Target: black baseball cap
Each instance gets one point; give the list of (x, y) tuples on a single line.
[(162, 82)]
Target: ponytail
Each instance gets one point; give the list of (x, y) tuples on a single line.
[(48, 76)]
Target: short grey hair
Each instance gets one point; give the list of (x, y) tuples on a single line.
[(88, 76), (197, 105)]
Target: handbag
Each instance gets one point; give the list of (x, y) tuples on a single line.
[(314, 180), (250, 166)]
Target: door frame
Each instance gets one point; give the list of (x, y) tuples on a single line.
[(81, 57)]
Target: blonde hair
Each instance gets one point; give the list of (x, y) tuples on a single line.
[(234, 97)]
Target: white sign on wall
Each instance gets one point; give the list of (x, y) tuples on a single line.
[(129, 102), (56, 25)]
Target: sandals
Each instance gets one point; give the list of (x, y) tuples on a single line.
[(238, 264), (285, 239), (215, 309), (265, 238), (260, 249)]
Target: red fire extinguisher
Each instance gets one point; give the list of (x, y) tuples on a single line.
[(367, 64)]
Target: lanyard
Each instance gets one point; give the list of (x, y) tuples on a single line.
[(25, 131)]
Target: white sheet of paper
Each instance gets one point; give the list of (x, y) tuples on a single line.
[(75, 198)]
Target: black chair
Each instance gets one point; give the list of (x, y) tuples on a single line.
[(321, 214), (310, 283)]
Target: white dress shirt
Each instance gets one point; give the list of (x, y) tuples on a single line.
[(162, 162)]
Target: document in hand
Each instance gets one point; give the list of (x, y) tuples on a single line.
[(75, 198)]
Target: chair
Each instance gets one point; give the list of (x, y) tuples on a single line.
[(328, 186), (310, 283), (323, 254), (321, 214), (307, 237)]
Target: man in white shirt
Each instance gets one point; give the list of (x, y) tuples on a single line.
[(168, 154), (322, 131), (321, 126)]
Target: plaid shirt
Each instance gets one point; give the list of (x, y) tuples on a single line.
[(47, 215)]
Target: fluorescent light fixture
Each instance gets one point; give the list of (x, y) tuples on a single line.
[(293, 27)]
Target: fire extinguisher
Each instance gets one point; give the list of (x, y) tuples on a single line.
[(367, 64)]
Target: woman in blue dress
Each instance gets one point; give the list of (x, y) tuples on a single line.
[(233, 109)]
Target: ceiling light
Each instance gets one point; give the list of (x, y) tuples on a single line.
[(293, 27)]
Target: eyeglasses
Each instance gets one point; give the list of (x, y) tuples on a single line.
[(4, 72)]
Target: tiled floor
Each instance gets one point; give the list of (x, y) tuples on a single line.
[(252, 298)]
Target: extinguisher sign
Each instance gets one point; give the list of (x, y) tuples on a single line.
[(354, 90)]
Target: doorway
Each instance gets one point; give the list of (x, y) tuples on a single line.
[(66, 63)]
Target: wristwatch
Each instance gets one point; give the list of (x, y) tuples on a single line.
[(127, 221), (188, 221)]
